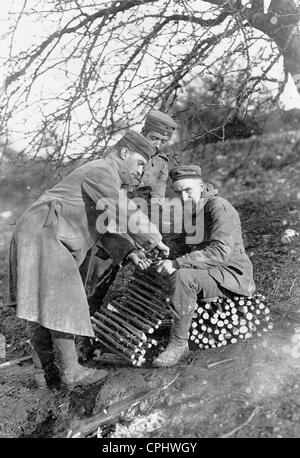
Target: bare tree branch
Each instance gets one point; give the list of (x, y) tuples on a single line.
[(116, 59)]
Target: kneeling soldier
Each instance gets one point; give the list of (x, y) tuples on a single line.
[(217, 265)]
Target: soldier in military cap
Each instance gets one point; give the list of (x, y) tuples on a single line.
[(216, 265), (50, 242), (158, 129)]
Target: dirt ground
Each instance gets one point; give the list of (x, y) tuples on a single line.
[(255, 393)]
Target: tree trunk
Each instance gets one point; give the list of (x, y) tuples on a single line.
[(281, 25)]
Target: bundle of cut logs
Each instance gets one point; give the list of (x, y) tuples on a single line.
[(128, 325), (225, 320)]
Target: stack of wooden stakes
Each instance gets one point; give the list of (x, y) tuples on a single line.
[(223, 321), (126, 325)]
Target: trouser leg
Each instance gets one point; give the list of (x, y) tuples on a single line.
[(42, 351), (40, 338), (184, 299), (186, 284), (64, 346)]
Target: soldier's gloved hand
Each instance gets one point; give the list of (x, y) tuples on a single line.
[(138, 258), (164, 250), (166, 267)]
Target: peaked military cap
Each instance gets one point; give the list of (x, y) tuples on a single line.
[(137, 143), (185, 171), (160, 122)]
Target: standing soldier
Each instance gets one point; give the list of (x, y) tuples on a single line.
[(50, 242), (158, 129)]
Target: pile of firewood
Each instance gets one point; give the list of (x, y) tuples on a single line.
[(127, 326), (225, 320)]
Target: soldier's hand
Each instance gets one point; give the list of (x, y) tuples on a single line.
[(165, 267), (143, 192), (138, 258), (164, 250)]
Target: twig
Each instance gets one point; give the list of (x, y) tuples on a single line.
[(110, 359), (223, 361), (82, 428), (277, 286), (14, 362), (292, 285), (238, 428)]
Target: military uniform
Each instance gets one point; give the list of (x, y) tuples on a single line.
[(52, 238), (155, 175), (51, 241), (216, 266), (156, 171)]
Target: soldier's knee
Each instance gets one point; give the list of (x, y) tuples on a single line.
[(183, 276)]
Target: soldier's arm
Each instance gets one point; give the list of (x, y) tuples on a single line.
[(117, 246), (99, 184), (159, 187), (156, 175), (151, 171), (225, 223)]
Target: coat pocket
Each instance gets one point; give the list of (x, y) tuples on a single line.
[(67, 233)]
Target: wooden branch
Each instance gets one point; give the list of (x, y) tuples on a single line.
[(198, 20), (14, 362), (223, 361), (109, 12), (238, 428), (193, 58), (82, 428), (140, 49)]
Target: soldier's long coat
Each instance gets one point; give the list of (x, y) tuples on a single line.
[(51, 240)]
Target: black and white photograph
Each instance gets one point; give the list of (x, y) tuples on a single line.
[(149, 222)]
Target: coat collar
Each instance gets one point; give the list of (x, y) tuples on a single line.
[(207, 193), (163, 155), (122, 170)]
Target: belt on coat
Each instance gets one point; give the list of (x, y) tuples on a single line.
[(55, 209)]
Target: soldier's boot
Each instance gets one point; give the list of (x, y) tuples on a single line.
[(39, 374), (71, 372), (178, 345), (45, 370)]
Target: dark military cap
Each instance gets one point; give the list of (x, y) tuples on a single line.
[(160, 122), (182, 172), (137, 143)]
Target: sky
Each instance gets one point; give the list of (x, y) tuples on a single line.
[(27, 36)]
